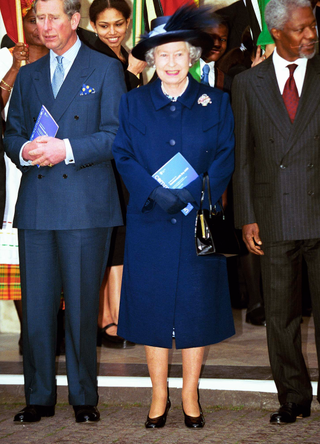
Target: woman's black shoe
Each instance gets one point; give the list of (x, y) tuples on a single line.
[(112, 341), (256, 316), (194, 422), (153, 423)]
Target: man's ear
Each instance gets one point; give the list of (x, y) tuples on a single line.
[(275, 33), (75, 20)]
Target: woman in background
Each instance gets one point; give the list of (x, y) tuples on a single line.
[(110, 19)]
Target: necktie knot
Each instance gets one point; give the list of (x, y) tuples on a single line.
[(205, 75), (292, 68), (59, 59)]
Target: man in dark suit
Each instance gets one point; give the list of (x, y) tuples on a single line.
[(240, 15), (67, 205), (277, 189)]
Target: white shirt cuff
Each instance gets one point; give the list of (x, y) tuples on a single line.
[(69, 153), (22, 161)]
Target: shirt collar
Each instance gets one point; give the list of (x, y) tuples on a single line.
[(69, 55), (281, 63), (210, 64)]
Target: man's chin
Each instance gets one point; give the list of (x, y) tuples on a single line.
[(307, 54)]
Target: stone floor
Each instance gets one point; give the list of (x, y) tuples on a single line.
[(233, 413)]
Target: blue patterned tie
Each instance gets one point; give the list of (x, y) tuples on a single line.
[(205, 75), (58, 76)]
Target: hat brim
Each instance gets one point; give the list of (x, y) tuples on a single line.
[(195, 38)]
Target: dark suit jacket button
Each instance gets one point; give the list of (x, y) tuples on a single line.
[(173, 221), (310, 165), (316, 137), (283, 167), (64, 176), (34, 119), (271, 140), (76, 117), (172, 142), (40, 176), (311, 193)]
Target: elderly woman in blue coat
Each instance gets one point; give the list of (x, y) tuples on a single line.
[(168, 291)]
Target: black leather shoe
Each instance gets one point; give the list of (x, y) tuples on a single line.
[(256, 316), (111, 341), (160, 421), (194, 422), (86, 413), (288, 412), (33, 413)]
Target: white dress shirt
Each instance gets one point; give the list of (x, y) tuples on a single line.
[(67, 61), (282, 72), (212, 75)]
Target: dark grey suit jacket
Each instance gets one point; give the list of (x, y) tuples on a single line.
[(277, 175)]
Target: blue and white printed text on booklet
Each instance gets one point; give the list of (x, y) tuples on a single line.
[(177, 173), (45, 125)]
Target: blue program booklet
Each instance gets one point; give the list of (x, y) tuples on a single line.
[(45, 125), (177, 173)]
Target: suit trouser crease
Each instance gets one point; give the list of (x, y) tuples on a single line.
[(75, 261), (281, 275)]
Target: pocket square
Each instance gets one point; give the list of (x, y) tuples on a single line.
[(86, 89)]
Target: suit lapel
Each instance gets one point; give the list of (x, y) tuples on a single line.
[(41, 79), (268, 93), (308, 102), (72, 84)]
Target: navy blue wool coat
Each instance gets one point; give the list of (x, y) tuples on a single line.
[(165, 285)]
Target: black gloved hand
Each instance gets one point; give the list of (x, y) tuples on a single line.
[(184, 195), (167, 200)]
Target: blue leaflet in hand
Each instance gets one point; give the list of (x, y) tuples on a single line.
[(177, 173), (45, 125)]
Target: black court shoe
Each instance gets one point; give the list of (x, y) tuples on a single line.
[(160, 421)]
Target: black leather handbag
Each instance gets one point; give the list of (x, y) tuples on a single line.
[(214, 233)]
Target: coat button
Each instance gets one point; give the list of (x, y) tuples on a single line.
[(310, 193), (310, 165), (271, 140), (172, 142), (173, 221), (40, 176), (76, 117), (65, 176), (316, 137), (172, 108), (283, 167)]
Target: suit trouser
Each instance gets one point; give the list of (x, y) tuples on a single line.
[(281, 278), (74, 260)]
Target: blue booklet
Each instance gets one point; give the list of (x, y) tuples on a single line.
[(45, 125), (177, 173)]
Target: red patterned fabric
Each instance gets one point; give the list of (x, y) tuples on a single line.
[(290, 93), (170, 6)]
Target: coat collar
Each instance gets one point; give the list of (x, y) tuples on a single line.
[(187, 99), (71, 86)]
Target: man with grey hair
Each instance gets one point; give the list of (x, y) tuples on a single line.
[(67, 205), (277, 189)]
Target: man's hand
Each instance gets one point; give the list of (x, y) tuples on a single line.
[(45, 151), (250, 236)]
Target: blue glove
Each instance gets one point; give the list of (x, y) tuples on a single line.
[(167, 200)]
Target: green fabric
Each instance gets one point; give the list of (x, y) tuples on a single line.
[(265, 36), (195, 71)]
